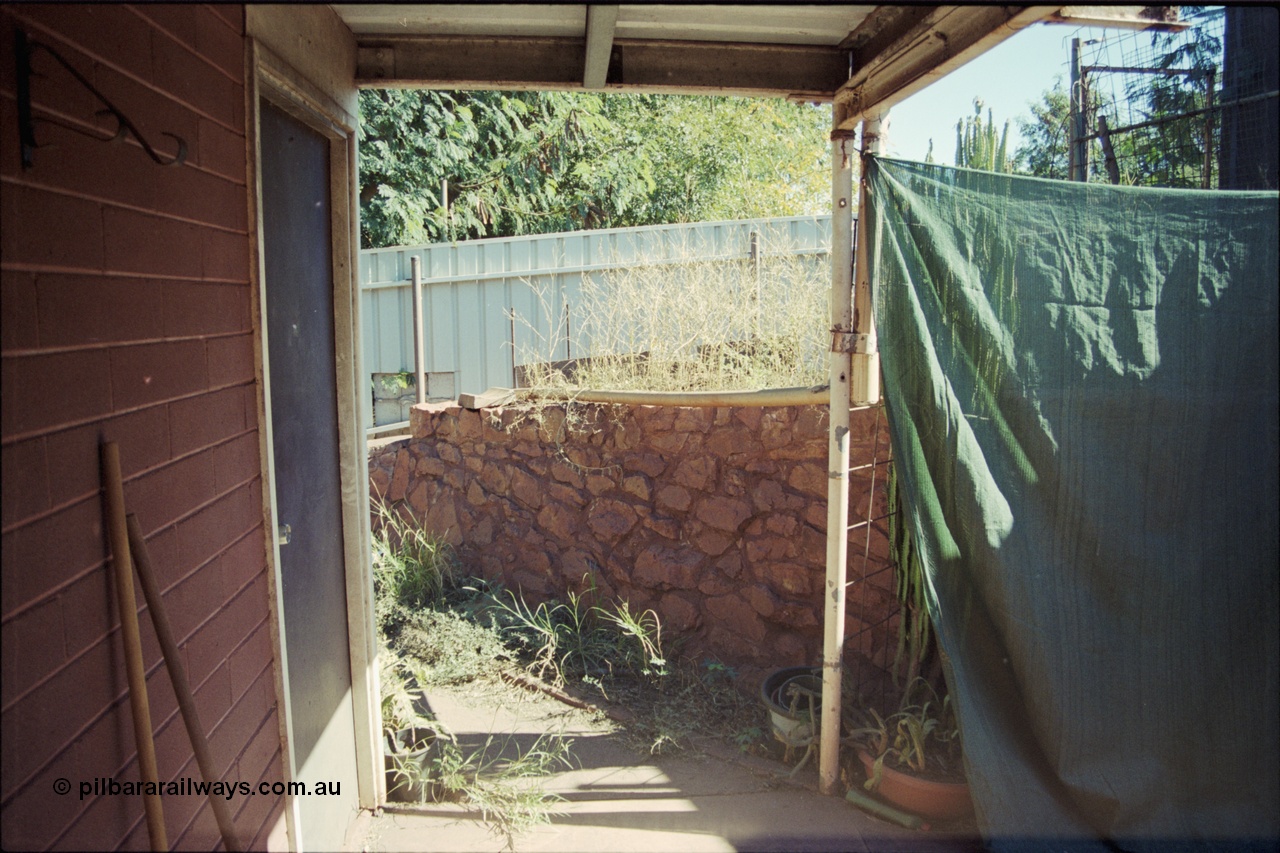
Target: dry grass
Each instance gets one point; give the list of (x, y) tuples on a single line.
[(689, 325)]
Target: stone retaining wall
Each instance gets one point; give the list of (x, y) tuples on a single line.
[(714, 517)]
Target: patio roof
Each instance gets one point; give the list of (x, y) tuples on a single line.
[(860, 56)]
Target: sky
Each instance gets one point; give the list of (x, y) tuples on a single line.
[(1007, 78)]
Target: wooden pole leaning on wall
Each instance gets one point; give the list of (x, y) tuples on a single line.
[(122, 566), (178, 675)]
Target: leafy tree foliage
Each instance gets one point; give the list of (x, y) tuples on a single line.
[(1170, 151), (455, 165), (1047, 135)]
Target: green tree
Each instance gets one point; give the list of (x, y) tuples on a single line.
[(520, 163), (1046, 136), (1168, 152)]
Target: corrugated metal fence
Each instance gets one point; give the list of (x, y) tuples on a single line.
[(488, 303)]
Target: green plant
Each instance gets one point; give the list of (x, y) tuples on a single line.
[(646, 630), (976, 143), (399, 698), (503, 787), (914, 628), (411, 773), (562, 640), (412, 567), (536, 632), (921, 736), (447, 647)]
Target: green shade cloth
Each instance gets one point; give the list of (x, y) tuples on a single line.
[(1083, 397)]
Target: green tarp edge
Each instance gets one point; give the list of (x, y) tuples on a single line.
[(1083, 397)]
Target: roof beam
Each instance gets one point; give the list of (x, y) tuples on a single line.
[(601, 22), (1160, 18), (659, 66), (897, 52)]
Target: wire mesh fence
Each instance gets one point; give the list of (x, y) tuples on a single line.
[(1193, 109)]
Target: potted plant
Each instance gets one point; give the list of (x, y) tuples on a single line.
[(409, 738), (912, 757)]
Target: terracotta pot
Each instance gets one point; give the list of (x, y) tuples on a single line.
[(925, 797)]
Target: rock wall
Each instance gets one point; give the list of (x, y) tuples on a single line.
[(714, 517)]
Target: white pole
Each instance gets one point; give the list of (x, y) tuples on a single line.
[(842, 157), (854, 376), (419, 335), (1078, 150), (866, 352)]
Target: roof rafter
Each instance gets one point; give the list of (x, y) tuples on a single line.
[(601, 22)]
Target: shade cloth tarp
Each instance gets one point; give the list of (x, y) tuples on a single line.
[(1082, 388)]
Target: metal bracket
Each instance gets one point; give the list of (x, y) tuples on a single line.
[(23, 48), (284, 534), (843, 340)]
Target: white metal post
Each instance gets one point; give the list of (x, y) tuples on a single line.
[(842, 157), (1078, 149), (866, 352), (419, 334), (854, 375)]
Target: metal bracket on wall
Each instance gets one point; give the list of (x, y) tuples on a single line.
[(24, 46)]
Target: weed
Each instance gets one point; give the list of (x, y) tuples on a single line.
[(536, 632), (399, 699), (646, 630), (748, 739), (562, 640), (502, 787), (447, 647), (412, 567), (663, 326)]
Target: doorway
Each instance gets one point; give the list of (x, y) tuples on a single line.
[(305, 437)]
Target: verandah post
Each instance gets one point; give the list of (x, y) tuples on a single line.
[(854, 375)]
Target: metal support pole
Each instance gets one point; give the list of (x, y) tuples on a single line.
[(865, 375), (842, 157), (419, 336), (1078, 149), (1207, 181)]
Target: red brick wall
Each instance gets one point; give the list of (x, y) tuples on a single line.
[(127, 316)]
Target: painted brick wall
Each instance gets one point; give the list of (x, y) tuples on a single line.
[(127, 316)]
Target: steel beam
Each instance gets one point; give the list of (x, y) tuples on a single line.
[(488, 62), (897, 52), (1157, 18)]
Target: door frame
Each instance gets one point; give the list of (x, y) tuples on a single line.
[(273, 79)]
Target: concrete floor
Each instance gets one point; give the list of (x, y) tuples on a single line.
[(620, 799)]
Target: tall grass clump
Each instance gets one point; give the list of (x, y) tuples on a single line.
[(563, 641), (412, 567), (684, 323)]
